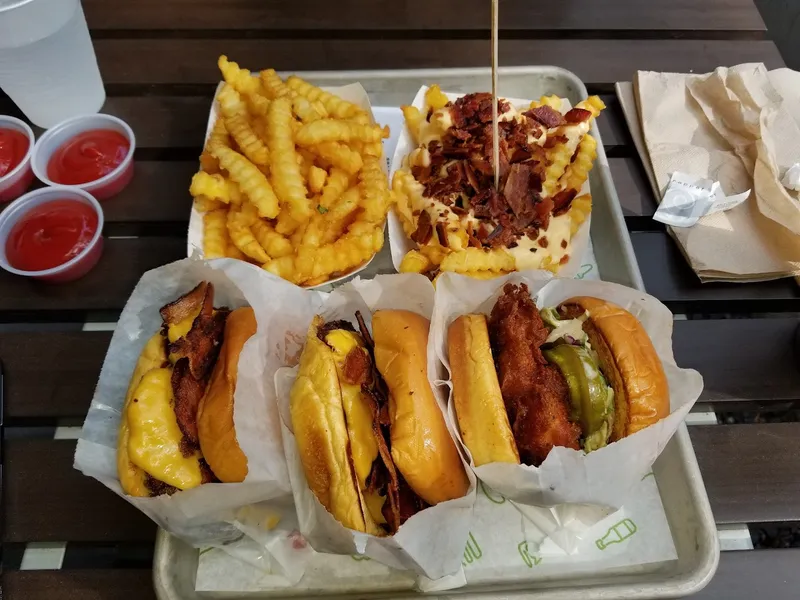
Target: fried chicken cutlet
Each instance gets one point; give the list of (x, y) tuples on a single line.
[(535, 393)]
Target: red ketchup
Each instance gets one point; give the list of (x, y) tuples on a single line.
[(87, 157), (50, 235), (13, 148)]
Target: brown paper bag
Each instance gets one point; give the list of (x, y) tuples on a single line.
[(746, 109), (674, 134)]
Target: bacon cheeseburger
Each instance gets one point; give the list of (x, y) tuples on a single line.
[(373, 442), (176, 430), (581, 375)]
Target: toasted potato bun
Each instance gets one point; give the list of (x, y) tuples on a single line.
[(629, 362), (421, 445), (321, 432), (481, 413), (215, 413)]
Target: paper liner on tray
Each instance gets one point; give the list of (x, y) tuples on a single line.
[(198, 515), (354, 93), (604, 477), (399, 244), (431, 542)]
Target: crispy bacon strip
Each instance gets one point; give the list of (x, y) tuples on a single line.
[(201, 345), (187, 392), (188, 304)]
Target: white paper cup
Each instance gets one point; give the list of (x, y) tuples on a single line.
[(108, 185), (14, 183), (70, 270)]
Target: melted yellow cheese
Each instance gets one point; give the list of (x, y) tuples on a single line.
[(181, 328), (529, 254), (154, 436), (375, 504), (363, 446), (131, 477)]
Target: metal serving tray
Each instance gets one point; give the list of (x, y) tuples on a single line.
[(676, 471)]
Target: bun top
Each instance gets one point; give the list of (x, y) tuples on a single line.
[(215, 413), (422, 448), (629, 361)]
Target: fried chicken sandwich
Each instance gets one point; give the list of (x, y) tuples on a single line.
[(176, 430), (580, 375), (373, 442)]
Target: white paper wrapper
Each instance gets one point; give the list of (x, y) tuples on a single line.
[(502, 550), (429, 543), (607, 476), (353, 92), (400, 244), (198, 515)]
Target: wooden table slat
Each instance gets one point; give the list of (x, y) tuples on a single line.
[(194, 61), (51, 374), (85, 584), (46, 500), (106, 287), (727, 15), (668, 277), (741, 359), (751, 472)]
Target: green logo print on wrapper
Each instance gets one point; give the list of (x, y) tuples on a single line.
[(491, 494), (585, 270), (527, 557), (616, 534), (472, 552)]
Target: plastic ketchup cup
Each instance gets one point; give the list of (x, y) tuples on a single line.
[(91, 152), (15, 157), (51, 234)]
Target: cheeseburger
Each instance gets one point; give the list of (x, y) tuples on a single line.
[(581, 375), (373, 442), (176, 430)]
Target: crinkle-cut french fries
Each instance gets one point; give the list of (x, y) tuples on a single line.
[(243, 238), (241, 79), (287, 179), (333, 130), (290, 178), (215, 234), (235, 116), (478, 259), (250, 180), (340, 156), (577, 172), (334, 106), (415, 262), (435, 97)]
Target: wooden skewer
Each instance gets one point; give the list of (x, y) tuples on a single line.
[(495, 128)]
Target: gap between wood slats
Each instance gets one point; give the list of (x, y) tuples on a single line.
[(427, 34)]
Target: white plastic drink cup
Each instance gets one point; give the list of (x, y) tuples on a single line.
[(47, 62)]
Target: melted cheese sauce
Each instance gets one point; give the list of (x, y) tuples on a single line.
[(528, 254)]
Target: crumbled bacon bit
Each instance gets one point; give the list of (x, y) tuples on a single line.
[(441, 233), (577, 115), (555, 140), (547, 116), (543, 242), (424, 231), (562, 201), (564, 244), (564, 259)]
